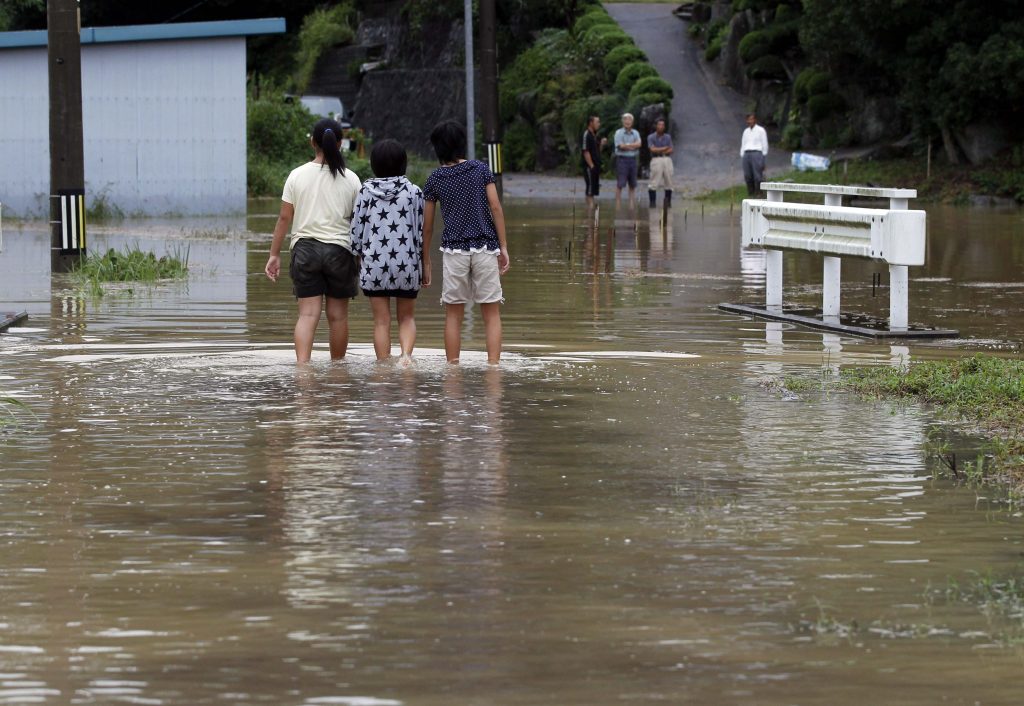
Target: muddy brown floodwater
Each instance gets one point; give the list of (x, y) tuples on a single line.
[(622, 513)]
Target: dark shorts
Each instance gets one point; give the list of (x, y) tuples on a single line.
[(592, 178), (319, 269), (625, 172), (400, 293)]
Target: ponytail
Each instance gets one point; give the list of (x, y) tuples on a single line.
[(327, 136)]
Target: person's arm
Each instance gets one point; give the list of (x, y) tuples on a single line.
[(284, 221), (764, 141), (498, 215), (428, 234), (635, 144)]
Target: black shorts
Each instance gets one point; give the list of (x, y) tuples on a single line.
[(397, 293), (592, 178), (319, 269)]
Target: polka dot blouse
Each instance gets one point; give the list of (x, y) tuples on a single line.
[(461, 190)]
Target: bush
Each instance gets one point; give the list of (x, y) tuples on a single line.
[(530, 70), (600, 40), (766, 68), (792, 136), (652, 85), (638, 102), (520, 146), (321, 30), (277, 130), (621, 55), (823, 105), (753, 46), (276, 140), (592, 18), (714, 49), (631, 73)]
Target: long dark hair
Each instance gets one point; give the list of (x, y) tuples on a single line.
[(327, 136)]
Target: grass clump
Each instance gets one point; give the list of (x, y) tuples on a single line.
[(984, 390), (8, 407), (130, 265)]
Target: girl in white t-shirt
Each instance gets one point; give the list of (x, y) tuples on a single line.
[(316, 206)]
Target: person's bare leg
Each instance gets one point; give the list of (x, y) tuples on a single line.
[(406, 326), (618, 197), (381, 308), (492, 327), (305, 327), (337, 319), (453, 314)]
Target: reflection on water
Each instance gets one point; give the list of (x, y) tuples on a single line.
[(623, 511)]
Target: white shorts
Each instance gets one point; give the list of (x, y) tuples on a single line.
[(661, 173), (470, 278)]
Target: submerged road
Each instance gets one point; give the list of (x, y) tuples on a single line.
[(707, 117)]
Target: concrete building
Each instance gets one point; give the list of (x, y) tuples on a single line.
[(164, 117)]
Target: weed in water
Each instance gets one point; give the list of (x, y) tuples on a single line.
[(131, 265)]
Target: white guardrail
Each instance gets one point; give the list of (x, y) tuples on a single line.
[(893, 235)]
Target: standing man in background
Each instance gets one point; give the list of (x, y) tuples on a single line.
[(753, 150), (591, 153), (627, 152), (659, 143)]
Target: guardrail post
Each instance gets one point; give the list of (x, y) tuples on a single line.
[(773, 268), (832, 272), (899, 283)]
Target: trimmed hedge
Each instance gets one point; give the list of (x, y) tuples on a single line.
[(619, 57), (766, 68), (592, 18), (631, 73), (652, 85), (600, 40)]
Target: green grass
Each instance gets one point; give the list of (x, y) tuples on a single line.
[(131, 265), (8, 406), (985, 391)]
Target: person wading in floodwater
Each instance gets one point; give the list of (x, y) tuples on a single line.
[(318, 201), (591, 156)]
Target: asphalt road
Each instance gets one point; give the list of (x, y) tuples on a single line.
[(707, 117)]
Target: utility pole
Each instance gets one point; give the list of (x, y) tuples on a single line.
[(489, 88), (470, 107), (67, 160)]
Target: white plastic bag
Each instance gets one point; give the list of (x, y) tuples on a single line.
[(803, 162)]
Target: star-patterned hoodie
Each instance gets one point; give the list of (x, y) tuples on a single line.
[(387, 234)]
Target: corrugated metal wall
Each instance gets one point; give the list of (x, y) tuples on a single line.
[(164, 127)]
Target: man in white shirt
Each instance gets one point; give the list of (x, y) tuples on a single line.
[(753, 150)]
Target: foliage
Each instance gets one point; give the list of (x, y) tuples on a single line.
[(101, 209), (277, 138), (131, 265), (631, 73), (521, 146), (985, 390), (792, 136), (766, 68), (18, 14), (654, 85), (321, 30), (565, 77), (590, 19), (600, 40), (950, 63), (619, 57)]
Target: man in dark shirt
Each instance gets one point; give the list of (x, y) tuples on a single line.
[(591, 150)]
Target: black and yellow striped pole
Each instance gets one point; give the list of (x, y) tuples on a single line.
[(489, 88), (67, 160)]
